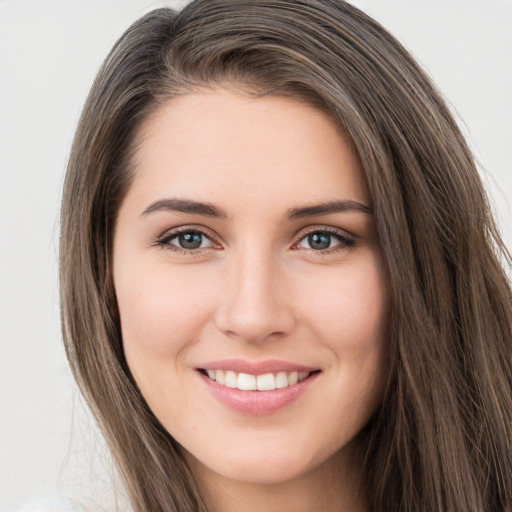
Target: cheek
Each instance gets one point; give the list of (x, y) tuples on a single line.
[(162, 313), (350, 312), (350, 316)]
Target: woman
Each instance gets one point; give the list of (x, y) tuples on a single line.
[(281, 284)]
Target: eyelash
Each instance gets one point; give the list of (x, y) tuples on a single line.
[(345, 241)]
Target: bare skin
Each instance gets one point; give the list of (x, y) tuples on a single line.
[(326, 488)]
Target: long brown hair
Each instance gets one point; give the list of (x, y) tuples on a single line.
[(441, 440)]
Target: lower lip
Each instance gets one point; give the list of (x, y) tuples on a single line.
[(258, 402)]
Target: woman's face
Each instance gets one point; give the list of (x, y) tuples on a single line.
[(250, 286)]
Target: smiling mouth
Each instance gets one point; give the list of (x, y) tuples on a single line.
[(249, 382)]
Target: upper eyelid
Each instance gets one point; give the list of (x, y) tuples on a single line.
[(322, 228), (171, 233)]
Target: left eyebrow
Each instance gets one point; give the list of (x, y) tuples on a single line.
[(185, 206), (327, 208)]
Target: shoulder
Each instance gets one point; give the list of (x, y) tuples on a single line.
[(53, 504)]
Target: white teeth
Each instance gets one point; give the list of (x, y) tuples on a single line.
[(248, 382), (266, 382), (293, 378), (219, 377), (303, 375), (231, 379), (282, 380)]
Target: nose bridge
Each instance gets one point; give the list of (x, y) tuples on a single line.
[(254, 304)]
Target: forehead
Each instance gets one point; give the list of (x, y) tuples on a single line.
[(224, 145)]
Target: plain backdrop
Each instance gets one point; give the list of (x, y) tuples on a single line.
[(49, 53)]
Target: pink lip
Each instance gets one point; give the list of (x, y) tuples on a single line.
[(257, 402), (256, 367)]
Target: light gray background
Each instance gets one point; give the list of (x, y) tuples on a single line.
[(49, 53)]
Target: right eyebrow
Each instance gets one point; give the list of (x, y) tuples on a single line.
[(328, 208), (185, 206)]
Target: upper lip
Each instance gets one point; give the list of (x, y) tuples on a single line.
[(256, 367)]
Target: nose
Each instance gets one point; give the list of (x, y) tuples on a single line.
[(254, 306)]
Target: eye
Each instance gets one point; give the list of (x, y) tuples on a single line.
[(324, 240), (189, 240), (186, 240)]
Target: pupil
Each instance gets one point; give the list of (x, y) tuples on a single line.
[(319, 241), (190, 240)]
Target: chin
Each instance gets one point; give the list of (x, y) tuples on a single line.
[(262, 466)]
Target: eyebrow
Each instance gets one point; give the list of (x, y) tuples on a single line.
[(186, 206), (328, 208), (210, 210)]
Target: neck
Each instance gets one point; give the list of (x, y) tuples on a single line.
[(332, 487)]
